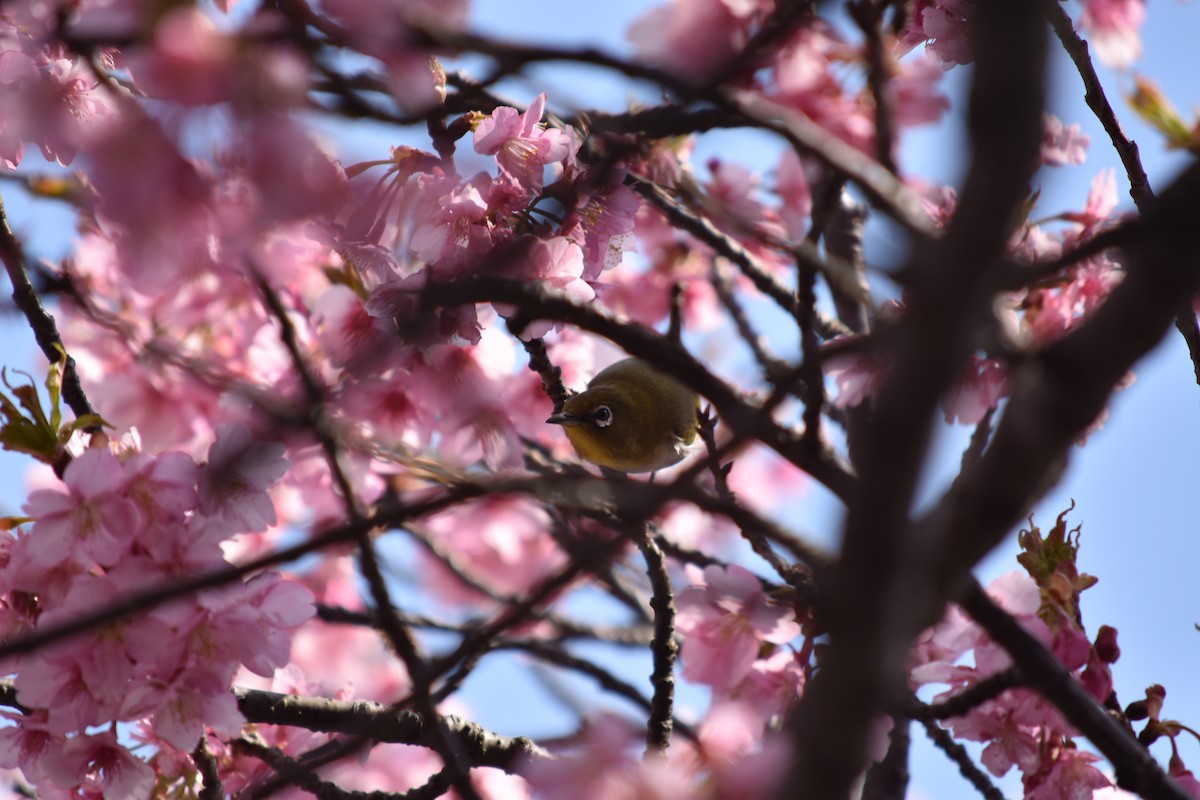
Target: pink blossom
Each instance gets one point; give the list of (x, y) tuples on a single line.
[(523, 146), (771, 686), (805, 79), (71, 104), (23, 745), (944, 27), (695, 38), (93, 518), (193, 700), (1062, 143), (1113, 27), (354, 658), (793, 177), (914, 92), (1183, 776), (251, 624), (388, 411), (979, 389), (1101, 201), (349, 334), (234, 482), (191, 61), (163, 486), (1008, 743), (558, 262), (502, 542), (100, 755), (724, 620), (858, 376), (453, 231), (602, 224), (1071, 777)]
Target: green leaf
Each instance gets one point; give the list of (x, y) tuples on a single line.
[(28, 427)]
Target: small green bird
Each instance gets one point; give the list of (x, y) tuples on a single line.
[(631, 418)]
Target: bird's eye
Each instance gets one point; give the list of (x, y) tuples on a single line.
[(603, 416)]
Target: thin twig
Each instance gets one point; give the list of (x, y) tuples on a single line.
[(45, 331), (959, 755)]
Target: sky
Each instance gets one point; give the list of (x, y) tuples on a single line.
[(1132, 483)]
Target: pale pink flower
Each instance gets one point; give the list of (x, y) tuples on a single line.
[(695, 38), (689, 526), (24, 744), (1008, 744), (793, 177), (92, 519), (1061, 143), (602, 223), (191, 61), (558, 262), (387, 410), (99, 755), (1101, 201), (805, 79), (193, 700), (73, 105), (503, 542), (914, 92), (1072, 776), (452, 231), (724, 621), (771, 686), (944, 27), (980, 387), (162, 486), (353, 658), (522, 145), (1182, 776), (766, 482), (349, 334), (1113, 29), (252, 624), (730, 731), (234, 482), (603, 768), (857, 376)]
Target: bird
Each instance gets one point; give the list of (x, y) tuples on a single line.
[(631, 418)]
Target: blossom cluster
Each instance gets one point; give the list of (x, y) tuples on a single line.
[(126, 521)]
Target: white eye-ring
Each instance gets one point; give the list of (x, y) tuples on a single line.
[(603, 416)]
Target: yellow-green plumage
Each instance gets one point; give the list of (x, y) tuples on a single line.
[(650, 421)]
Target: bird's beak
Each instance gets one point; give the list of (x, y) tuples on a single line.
[(563, 418)]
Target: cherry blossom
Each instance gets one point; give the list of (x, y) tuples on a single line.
[(724, 619)]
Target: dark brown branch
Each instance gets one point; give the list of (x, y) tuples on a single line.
[(206, 765), (868, 15), (383, 723), (539, 362), (970, 698), (881, 590), (664, 649), (959, 755)]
